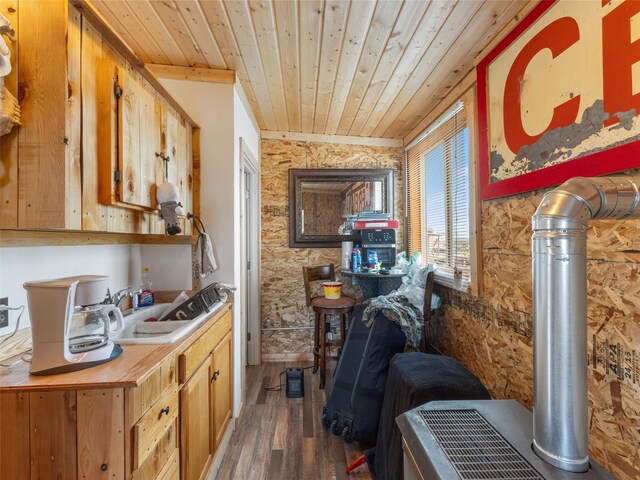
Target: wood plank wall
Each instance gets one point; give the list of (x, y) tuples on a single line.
[(9, 142), (283, 298), (491, 335), (45, 151)]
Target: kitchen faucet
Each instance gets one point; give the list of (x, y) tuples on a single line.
[(117, 298)]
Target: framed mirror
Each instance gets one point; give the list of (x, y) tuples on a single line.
[(321, 199)]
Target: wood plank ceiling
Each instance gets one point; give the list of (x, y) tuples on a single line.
[(362, 67)]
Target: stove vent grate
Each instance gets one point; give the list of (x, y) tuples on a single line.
[(475, 449)]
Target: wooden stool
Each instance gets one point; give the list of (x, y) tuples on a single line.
[(342, 306)]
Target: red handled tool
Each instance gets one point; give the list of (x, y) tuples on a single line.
[(356, 463)]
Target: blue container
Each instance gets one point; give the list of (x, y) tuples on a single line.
[(355, 259), (372, 259)]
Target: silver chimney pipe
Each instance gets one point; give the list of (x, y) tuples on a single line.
[(559, 245)]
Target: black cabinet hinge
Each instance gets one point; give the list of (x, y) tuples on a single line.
[(117, 89)]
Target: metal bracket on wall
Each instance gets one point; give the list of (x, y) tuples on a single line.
[(166, 159)]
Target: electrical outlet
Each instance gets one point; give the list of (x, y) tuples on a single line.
[(4, 314)]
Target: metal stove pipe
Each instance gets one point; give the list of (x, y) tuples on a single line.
[(559, 245)]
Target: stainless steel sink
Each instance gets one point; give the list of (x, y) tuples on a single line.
[(129, 335)]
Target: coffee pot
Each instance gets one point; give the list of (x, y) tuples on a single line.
[(91, 326), (58, 304)]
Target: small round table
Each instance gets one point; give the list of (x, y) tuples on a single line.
[(323, 306), (374, 284)]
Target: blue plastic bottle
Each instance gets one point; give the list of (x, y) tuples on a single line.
[(356, 260)]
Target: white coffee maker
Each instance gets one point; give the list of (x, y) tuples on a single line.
[(53, 304)]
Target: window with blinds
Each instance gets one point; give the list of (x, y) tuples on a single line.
[(438, 197)]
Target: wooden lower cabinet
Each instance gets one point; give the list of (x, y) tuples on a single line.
[(62, 434), (206, 401), (221, 388), (164, 428), (195, 423)]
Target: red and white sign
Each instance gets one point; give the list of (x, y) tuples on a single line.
[(560, 96)]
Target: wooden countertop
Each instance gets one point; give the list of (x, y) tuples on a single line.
[(128, 370)]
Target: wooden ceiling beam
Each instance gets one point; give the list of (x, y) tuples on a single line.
[(323, 138), (195, 74)]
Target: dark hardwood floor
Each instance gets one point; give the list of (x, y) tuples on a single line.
[(283, 438)]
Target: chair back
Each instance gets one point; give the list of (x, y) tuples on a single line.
[(426, 309), (313, 274)]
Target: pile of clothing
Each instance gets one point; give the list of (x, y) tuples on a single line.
[(404, 305)]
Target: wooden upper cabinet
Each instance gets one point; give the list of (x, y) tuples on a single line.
[(153, 146), (86, 158)]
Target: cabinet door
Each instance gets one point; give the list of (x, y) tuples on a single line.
[(139, 141), (100, 456), (195, 423), (221, 388)]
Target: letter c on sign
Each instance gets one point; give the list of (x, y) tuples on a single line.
[(557, 37)]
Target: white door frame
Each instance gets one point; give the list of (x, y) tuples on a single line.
[(250, 256)]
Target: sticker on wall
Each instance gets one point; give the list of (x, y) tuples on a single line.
[(615, 358)]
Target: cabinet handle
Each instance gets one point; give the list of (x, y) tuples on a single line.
[(164, 410), (216, 374)]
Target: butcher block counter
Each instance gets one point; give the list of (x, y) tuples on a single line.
[(157, 411)]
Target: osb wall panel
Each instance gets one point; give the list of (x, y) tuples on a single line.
[(493, 344), (285, 316), (491, 335)]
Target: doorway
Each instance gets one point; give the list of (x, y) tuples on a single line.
[(250, 257)]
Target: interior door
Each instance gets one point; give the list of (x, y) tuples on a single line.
[(251, 258), (247, 255)]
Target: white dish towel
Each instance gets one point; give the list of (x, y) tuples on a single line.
[(204, 261)]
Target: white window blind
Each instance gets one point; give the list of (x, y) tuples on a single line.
[(438, 197)]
